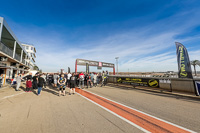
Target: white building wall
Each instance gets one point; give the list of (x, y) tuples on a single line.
[(30, 52)]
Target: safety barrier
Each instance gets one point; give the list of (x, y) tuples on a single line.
[(171, 84)]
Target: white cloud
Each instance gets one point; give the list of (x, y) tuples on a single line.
[(150, 48)]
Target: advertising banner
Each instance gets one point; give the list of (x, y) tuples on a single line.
[(99, 66), (139, 81), (94, 63), (197, 87), (184, 67)]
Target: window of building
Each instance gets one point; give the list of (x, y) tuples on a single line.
[(27, 47), (31, 48)]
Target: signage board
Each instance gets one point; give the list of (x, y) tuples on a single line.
[(94, 63), (139, 81)]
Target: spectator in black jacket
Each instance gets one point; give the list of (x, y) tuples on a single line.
[(72, 84), (35, 80), (29, 76), (40, 83)]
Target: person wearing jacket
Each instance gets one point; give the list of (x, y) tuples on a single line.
[(81, 80), (40, 83), (18, 79), (35, 80), (28, 85)]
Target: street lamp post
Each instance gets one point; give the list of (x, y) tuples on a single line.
[(117, 63)]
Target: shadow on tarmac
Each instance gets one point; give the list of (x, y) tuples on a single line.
[(158, 92), (50, 90), (54, 90)]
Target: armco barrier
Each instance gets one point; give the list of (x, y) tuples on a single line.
[(171, 84)]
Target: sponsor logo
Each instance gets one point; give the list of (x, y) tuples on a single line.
[(119, 80), (183, 72), (100, 64), (153, 83)]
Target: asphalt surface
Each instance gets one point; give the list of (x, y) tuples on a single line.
[(180, 110), (22, 112), (49, 113)]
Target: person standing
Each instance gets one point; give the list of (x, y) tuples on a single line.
[(40, 83), (95, 80), (85, 78), (107, 73), (35, 81), (106, 77), (28, 85), (98, 79), (29, 76), (72, 84), (61, 83), (81, 80), (55, 79), (68, 79), (47, 79), (88, 78), (103, 79), (44, 77), (18, 79), (77, 79), (92, 79)]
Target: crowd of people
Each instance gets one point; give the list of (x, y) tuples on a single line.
[(61, 81)]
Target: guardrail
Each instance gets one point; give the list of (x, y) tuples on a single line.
[(6, 49), (171, 84), (17, 57)]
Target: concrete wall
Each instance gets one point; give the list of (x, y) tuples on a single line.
[(184, 85), (177, 84), (166, 86)]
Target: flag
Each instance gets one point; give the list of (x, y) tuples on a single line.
[(184, 67), (197, 87)]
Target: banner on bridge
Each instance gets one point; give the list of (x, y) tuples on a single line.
[(94, 63), (139, 81)]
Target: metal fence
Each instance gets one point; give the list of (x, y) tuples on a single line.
[(6, 49)]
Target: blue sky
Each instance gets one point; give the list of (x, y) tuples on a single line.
[(141, 33)]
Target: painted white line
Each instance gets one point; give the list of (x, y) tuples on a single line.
[(142, 129), (12, 95), (146, 114)]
